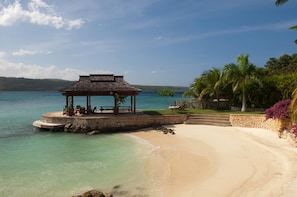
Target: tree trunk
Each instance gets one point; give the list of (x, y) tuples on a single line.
[(218, 102), (243, 108)]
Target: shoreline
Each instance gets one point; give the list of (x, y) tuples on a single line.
[(221, 161)]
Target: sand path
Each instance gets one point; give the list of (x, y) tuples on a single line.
[(223, 161)]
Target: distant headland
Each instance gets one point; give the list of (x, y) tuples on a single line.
[(27, 84)]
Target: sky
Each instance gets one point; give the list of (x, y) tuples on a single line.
[(149, 42)]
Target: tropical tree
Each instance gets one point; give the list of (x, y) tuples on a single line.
[(214, 83), (285, 84), (166, 93), (285, 64), (194, 92), (263, 96), (209, 85), (240, 75), (194, 89), (282, 73)]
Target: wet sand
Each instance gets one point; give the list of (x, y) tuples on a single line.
[(221, 161)]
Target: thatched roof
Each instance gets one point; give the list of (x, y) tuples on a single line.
[(97, 84)]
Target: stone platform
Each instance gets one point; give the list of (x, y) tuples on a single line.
[(104, 122), (48, 126)]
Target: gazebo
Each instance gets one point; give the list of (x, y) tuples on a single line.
[(101, 85)]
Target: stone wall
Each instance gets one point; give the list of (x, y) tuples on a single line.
[(281, 127), (132, 122), (257, 121), (112, 123)]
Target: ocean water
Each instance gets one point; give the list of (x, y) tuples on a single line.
[(40, 163)]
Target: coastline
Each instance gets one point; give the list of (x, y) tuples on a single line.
[(221, 161)]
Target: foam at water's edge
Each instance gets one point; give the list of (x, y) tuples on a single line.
[(156, 168)]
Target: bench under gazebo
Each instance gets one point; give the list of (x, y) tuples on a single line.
[(100, 85)]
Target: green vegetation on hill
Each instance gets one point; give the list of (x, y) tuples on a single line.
[(159, 88), (25, 84)]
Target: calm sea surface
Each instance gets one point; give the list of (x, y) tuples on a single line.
[(39, 163)]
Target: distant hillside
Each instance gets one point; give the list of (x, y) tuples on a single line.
[(158, 88), (25, 84)]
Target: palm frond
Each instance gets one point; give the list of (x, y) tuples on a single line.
[(280, 2)]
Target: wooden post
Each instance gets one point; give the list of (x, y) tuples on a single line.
[(131, 103), (69, 106), (66, 101), (116, 107), (89, 107), (134, 110), (72, 101)]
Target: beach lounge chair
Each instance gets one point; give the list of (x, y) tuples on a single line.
[(179, 107)]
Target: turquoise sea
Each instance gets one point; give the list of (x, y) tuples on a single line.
[(39, 163)]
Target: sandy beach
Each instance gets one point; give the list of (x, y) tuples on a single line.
[(222, 161)]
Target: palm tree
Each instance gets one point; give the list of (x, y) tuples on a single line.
[(214, 82), (240, 75), (209, 84), (194, 91)]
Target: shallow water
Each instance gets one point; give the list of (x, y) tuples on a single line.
[(54, 164), (38, 163)]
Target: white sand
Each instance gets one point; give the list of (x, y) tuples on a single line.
[(223, 161)]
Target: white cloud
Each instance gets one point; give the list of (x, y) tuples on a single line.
[(128, 72), (158, 38), (38, 12), (10, 14), (36, 4), (71, 24), (12, 69), (23, 52), (2, 54)]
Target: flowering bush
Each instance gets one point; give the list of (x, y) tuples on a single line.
[(279, 110)]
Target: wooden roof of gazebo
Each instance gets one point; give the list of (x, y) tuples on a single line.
[(100, 85)]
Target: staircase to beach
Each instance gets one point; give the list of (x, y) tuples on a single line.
[(209, 119)]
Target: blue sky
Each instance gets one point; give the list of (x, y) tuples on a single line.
[(150, 42)]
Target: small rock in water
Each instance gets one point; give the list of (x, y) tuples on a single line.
[(116, 187), (94, 193), (91, 133), (164, 130)]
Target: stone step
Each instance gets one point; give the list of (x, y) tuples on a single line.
[(48, 126), (209, 119)]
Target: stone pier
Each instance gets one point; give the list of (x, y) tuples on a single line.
[(108, 123)]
